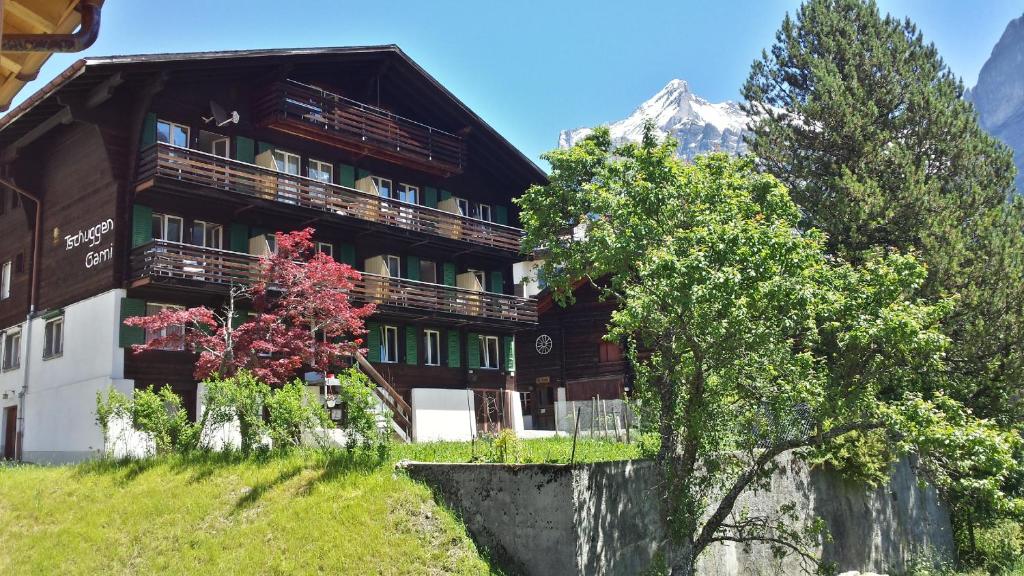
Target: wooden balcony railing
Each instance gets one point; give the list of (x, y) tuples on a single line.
[(168, 261), (199, 168), (310, 112)]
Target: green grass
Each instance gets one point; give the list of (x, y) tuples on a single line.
[(556, 450), (307, 513)]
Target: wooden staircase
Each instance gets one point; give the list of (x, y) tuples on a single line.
[(401, 411)]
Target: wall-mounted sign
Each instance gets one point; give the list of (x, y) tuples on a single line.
[(543, 380), (92, 238)]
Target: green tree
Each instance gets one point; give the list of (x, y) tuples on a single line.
[(747, 336), (867, 126)]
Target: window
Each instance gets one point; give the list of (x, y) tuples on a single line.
[(394, 266), (53, 338), (489, 350), (11, 350), (325, 248), (171, 133), (286, 162), (389, 344), (428, 271), (320, 171), (208, 235), (485, 212), (407, 193), (481, 278), (167, 227), (432, 346), (463, 206), (383, 186), (5, 281), (170, 331), (610, 352)]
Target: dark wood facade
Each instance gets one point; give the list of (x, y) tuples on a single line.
[(567, 350), (89, 147)]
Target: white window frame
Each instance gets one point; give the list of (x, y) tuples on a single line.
[(388, 259), (283, 161), (407, 190), (325, 248), (227, 146), (164, 219), (5, 280), (378, 182), (481, 277), (485, 357), (53, 338), (385, 352), (154, 308), (10, 350), (431, 357), (217, 229), (321, 166), (173, 125), (480, 213), (463, 205)]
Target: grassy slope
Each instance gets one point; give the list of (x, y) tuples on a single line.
[(285, 516), (303, 514)]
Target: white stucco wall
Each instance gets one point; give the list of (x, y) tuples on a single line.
[(442, 415), (60, 403)]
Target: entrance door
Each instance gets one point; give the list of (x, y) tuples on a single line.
[(544, 405), (10, 432)]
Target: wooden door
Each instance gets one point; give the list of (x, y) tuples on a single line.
[(10, 432)]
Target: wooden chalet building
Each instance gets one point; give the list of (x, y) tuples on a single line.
[(153, 181), (564, 359)]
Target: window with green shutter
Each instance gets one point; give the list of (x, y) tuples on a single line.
[(346, 175), (130, 335), (454, 351), (373, 341), (430, 197), (412, 267), (239, 238), (509, 352), (148, 136), (501, 214), (497, 282), (347, 253), (245, 150), (142, 225), (472, 350), (445, 194), (411, 345), (449, 274)]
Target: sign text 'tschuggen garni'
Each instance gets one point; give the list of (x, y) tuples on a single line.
[(91, 238)]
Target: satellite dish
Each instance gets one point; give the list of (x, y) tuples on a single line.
[(220, 117)]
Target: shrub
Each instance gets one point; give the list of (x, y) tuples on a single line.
[(506, 448), (158, 414), (292, 412), (362, 425)]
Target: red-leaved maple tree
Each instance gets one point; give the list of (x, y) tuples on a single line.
[(302, 318)]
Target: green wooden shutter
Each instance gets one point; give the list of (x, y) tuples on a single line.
[(245, 150), (454, 354), (445, 194), (360, 174), (430, 197), (142, 225), (411, 345), (412, 267), (346, 175), (262, 147), (497, 282), (148, 136), (473, 350), (509, 350), (239, 238), (373, 341), (347, 253), (131, 334), (501, 214), (449, 274)]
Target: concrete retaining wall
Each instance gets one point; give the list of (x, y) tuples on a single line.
[(604, 519)]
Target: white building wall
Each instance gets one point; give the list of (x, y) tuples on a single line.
[(60, 403), (439, 414)]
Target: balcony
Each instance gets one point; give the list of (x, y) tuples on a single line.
[(310, 112), (171, 263), (181, 165)]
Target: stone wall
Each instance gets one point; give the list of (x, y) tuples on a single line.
[(604, 519)]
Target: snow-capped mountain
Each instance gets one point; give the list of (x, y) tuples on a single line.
[(699, 125), (999, 95)]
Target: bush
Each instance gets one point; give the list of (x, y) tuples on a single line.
[(158, 414), (506, 448), (292, 412), (240, 399), (362, 416)]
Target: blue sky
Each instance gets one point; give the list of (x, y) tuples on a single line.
[(531, 68)]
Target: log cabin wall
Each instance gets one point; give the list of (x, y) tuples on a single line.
[(16, 219)]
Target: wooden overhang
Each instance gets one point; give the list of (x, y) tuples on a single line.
[(386, 68), (33, 30)]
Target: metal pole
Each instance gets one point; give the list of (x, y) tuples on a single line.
[(572, 457)]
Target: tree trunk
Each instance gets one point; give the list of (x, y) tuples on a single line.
[(680, 527)]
